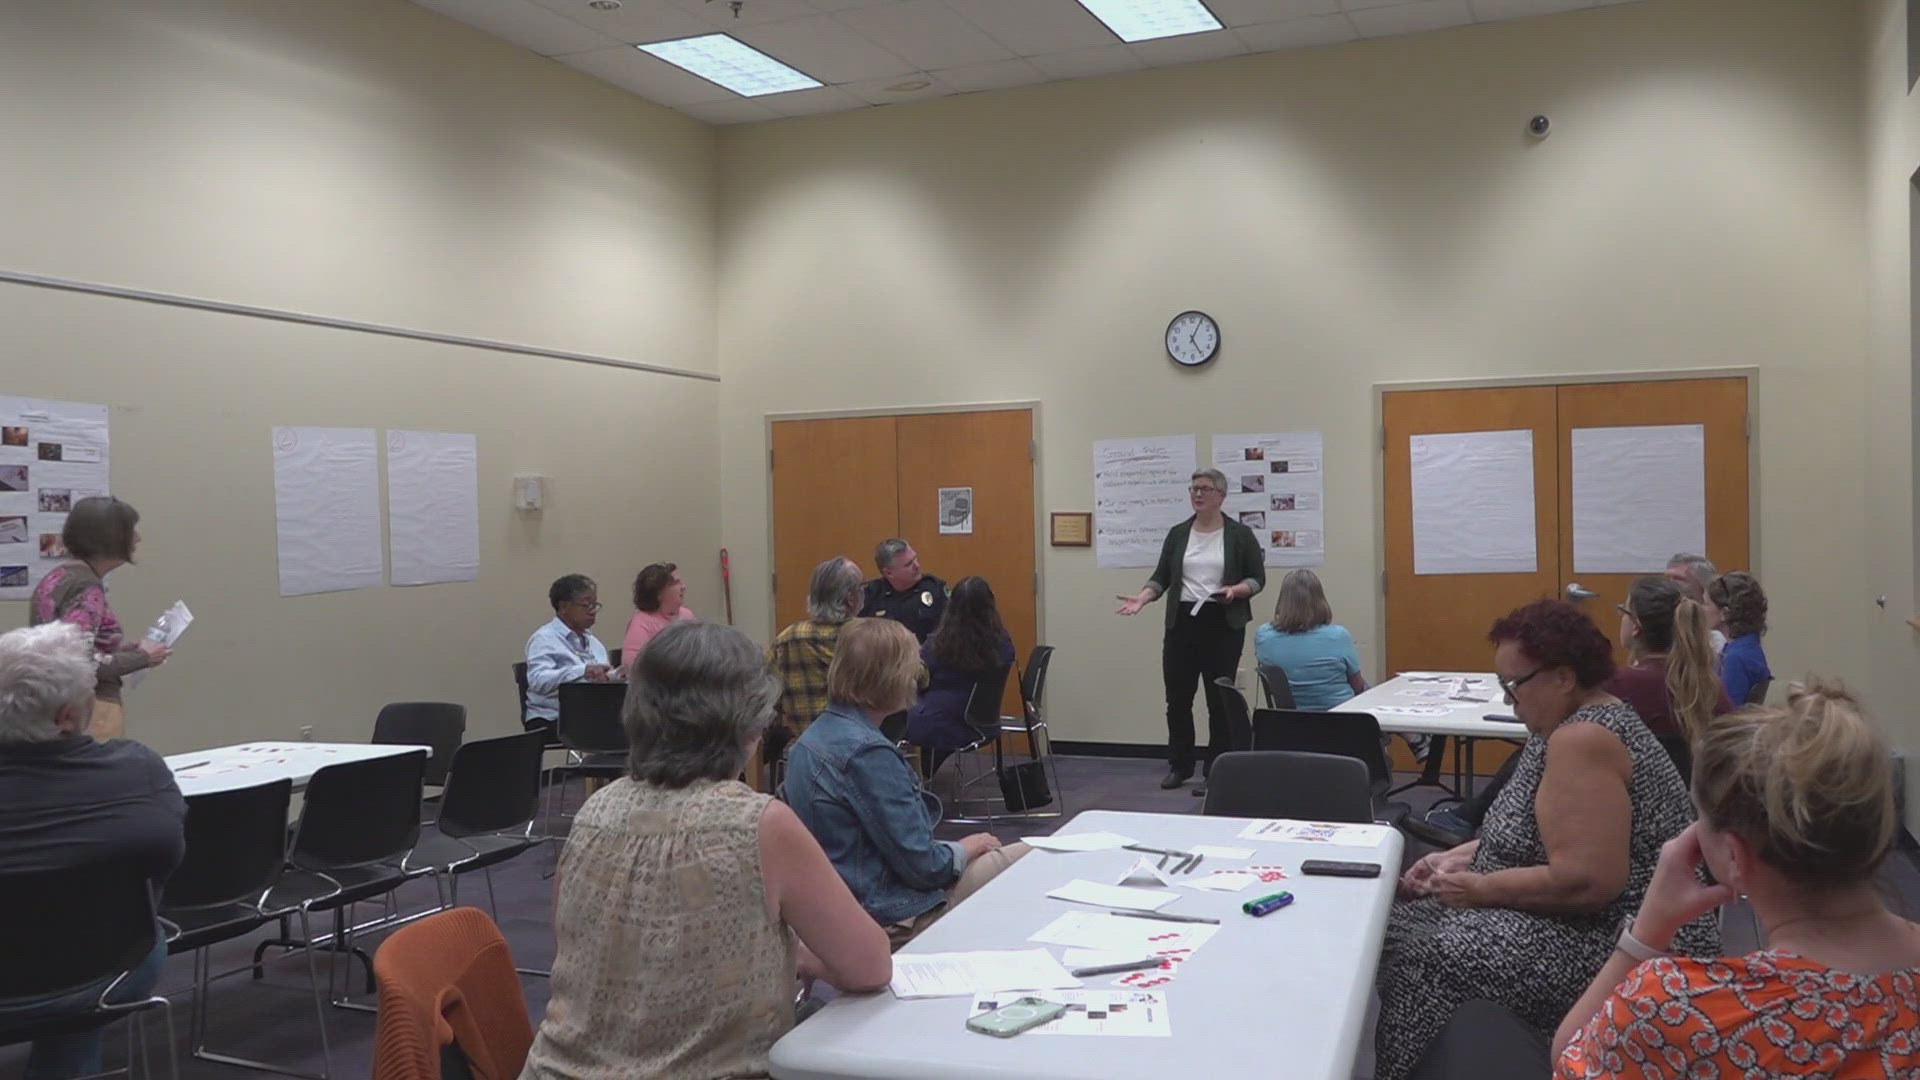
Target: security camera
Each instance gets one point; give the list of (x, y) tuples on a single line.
[(1539, 126)]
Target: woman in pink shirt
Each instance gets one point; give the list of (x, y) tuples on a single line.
[(658, 593)]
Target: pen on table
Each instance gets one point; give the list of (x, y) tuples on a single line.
[(195, 765), (1152, 850), (1114, 969), (1195, 864), (1162, 864), (1162, 915)]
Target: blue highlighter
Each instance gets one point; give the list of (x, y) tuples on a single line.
[(1267, 905)]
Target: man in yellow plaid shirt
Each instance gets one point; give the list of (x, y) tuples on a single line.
[(801, 653)]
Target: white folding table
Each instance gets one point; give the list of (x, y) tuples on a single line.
[(1454, 703), (1282, 995), (225, 768)]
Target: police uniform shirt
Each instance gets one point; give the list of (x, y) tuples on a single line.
[(918, 607)]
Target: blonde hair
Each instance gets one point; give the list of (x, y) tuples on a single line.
[(1302, 603), (1674, 623), (1809, 784), (876, 665)]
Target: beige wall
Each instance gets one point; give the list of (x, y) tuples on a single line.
[(365, 160), (1353, 216)]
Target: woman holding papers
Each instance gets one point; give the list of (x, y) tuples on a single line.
[(1212, 565), (101, 534), (681, 891), (864, 803), (1525, 915)]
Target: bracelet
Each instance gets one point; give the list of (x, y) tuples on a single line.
[(1634, 947)]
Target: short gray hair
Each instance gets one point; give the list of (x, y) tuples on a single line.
[(44, 670), (1698, 567), (888, 551), (698, 696), (827, 592), (1219, 478)]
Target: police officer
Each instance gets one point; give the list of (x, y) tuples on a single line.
[(902, 592)]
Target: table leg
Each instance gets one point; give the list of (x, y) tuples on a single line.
[(1467, 788)]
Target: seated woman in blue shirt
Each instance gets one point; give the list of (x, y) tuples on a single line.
[(1317, 653), (1743, 607), (970, 644), (864, 804)]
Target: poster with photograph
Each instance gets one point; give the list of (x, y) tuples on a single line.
[(52, 453), (326, 500), (1139, 492), (956, 510), (1274, 488), (433, 507)]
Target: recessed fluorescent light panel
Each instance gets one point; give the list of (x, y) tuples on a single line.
[(1144, 20), (739, 67)]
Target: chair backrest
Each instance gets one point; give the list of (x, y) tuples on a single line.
[(439, 724), (590, 717), (1273, 680), (520, 680), (1233, 706), (1285, 784), (1033, 681), (1681, 751), (360, 812), (613, 657), (236, 847), (1354, 734), (454, 953), (983, 702), (494, 785), (61, 930), (1757, 693)]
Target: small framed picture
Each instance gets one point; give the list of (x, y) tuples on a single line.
[(1070, 529)]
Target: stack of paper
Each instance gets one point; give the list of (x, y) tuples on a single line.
[(922, 975)]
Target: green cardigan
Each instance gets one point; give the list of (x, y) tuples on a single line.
[(1244, 563)]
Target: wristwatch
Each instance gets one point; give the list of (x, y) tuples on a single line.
[(1634, 947)]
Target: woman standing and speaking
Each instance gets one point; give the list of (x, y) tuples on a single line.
[(1212, 565)]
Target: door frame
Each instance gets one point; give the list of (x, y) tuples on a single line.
[(1039, 493), (1751, 373)]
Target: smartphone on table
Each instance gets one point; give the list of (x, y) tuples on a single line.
[(1016, 1016)]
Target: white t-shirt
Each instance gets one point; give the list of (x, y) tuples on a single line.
[(1204, 565)]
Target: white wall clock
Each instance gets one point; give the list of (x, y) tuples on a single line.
[(1193, 338)]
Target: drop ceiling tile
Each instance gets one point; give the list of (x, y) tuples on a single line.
[(1034, 27), (1188, 48), (823, 99), (737, 111), (881, 92), (926, 33), (1493, 10), (1103, 60), (1411, 18), (651, 78), (719, 14), (1298, 33), (1361, 5), (1251, 12), (522, 23), (842, 5), (823, 48), (633, 21), (995, 76)]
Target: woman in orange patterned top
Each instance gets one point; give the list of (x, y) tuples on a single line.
[(1796, 812)]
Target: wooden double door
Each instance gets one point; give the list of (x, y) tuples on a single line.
[(843, 484), (1439, 621)]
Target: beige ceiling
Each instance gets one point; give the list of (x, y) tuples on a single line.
[(880, 52)]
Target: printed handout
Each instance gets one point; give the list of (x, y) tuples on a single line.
[(1094, 1012), (957, 974), (1315, 832)]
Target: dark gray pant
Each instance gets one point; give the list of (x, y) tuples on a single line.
[(1197, 650)]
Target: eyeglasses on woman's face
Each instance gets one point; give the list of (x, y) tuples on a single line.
[(1508, 686), (1203, 490)]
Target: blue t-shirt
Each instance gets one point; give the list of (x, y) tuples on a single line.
[(1318, 662), (1743, 666)]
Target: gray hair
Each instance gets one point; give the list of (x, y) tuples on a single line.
[(827, 592), (44, 670), (1698, 567), (887, 551), (1219, 478), (698, 696)]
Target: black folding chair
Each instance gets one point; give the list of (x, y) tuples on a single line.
[(1233, 703), (236, 851), (487, 814), (63, 932), (1757, 693), (592, 731), (358, 826), (1035, 783), (1286, 784), (983, 716), (1276, 688), (438, 724), (1351, 734)]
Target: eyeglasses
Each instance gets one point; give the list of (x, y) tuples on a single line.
[(590, 605), (1201, 489), (1509, 687)]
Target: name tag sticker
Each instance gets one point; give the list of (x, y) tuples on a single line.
[(926, 598)]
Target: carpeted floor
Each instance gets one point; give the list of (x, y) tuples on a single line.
[(273, 1019)]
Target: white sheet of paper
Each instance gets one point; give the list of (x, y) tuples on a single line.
[(166, 630), (52, 454), (1118, 934), (1087, 841), (1120, 896), (1217, 851), (1084, 958), (433, 507), (1144, 873), (1315, 832), (1094, 1012), (1473, 507), (1639, 497), (955, 974), (326, 497), (1275, 487), (1139, 492), (1224, 881)]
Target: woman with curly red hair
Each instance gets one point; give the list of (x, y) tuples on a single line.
[(1525, 915)]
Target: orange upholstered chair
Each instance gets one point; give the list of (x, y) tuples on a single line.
[(448, 981)]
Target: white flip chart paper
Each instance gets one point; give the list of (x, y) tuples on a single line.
[(1473, 507), (433, 507), (326, 496), (1639, 497)]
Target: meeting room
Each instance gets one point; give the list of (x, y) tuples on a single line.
[(949, 539)]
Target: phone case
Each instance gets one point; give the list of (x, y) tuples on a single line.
[(1330, 868), (1015, 1017)]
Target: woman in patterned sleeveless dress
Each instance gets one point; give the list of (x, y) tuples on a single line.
[(1525, 915), (681, 891), (1796, 812)]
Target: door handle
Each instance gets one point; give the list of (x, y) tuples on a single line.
[(1576, 591)]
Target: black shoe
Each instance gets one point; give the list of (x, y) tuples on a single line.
[(1200, 789), (1174, 779)]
